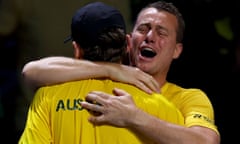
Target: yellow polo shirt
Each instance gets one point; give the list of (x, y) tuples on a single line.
[(56, 116), (193, 103)]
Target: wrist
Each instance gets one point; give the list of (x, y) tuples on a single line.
[(137, 120)]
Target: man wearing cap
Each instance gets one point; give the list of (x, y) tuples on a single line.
[(55, 114)]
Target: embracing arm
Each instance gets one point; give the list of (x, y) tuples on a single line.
[(53, 70), (121, 111), (164, 132)]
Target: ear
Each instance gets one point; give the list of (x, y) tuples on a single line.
[(178, 50), (129, 44), (78, 53)]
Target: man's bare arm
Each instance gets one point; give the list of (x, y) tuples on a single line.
[(53, 70), (121, 111)]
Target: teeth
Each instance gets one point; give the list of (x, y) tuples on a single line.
[(148, 52), (148, 49)]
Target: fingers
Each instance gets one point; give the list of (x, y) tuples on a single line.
[(94, 109), (148, 83), (119, 92), (152, 84), (109, 109), (95, 102), (144, 87), (96, 97)]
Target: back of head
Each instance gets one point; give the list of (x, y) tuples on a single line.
[(100, 31)]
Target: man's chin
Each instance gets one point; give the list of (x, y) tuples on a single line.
[(143, 67)]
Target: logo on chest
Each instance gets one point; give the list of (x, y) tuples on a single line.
[(69, 104)]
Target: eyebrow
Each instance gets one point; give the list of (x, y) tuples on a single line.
[(162, 28)]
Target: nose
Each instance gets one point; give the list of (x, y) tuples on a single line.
[(150, 37)]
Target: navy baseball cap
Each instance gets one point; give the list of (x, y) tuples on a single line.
[(90, 20)]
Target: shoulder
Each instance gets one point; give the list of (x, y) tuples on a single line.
[(177, 91), (188, 99)]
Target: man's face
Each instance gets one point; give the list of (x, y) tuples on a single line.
[(153, 42)]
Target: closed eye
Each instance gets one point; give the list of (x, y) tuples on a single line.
[(143, 29)]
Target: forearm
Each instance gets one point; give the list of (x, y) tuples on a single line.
[(163, 132), (54, 70)]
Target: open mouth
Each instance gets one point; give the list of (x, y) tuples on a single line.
[(147, 52)]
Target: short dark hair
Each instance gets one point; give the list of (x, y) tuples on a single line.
[(110, 46)]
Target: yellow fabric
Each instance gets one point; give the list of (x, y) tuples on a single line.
[(40, 27), (56, 116), (194, 104)]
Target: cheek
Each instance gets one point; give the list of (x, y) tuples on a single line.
[(137, 39), (134, 43)]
